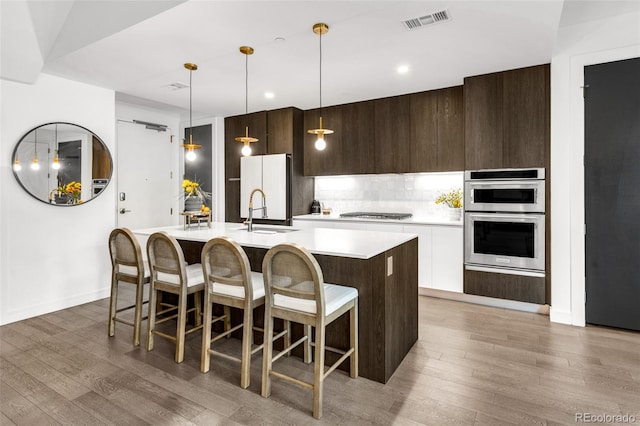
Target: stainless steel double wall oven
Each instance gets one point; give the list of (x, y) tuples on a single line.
[(505, 221)]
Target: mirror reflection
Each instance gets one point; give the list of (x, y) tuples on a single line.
[(62, 164)]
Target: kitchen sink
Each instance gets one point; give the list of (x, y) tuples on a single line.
[(266, 230)]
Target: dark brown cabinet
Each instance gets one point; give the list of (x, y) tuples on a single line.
[(421, 132), (506, 118), (349, 149), (234, 127), (279, 132)]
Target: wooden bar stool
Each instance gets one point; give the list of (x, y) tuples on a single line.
[(170, 274), (127, 266), (295, 291), (231, 283)]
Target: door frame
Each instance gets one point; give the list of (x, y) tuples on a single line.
[(576, 164)]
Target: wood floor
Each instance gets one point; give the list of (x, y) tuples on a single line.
[(472, 365)]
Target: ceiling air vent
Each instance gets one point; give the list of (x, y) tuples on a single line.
[(423, 21), (177, 86)]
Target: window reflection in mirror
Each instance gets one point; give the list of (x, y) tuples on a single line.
[(62, 164)]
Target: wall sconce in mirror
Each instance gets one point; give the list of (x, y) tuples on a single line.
[(78, 164)]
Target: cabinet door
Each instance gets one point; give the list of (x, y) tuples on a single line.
[(392, 135), (234, 127), (447, 256), (274, 185), (250, 179), (329, 161), (280, 131), (357, 138), (425, 262), (422, 140), (483, 122), (450, 119), (526, 116)]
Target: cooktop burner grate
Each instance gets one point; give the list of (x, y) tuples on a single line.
[(376, 215)]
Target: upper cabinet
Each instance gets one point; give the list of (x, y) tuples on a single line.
[(349, 149), (506, 118), (279, 132), (421, 132)]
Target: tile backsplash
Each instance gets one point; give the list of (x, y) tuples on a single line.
[(411, 192)]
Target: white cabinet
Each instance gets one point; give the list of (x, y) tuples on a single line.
[(425, 262), (440, 249), (447, 258), (268, 173)]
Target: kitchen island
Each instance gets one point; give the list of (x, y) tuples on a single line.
[(383, 266)]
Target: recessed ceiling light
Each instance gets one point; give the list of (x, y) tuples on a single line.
[(279, 39), (403, 69), (269, 95)]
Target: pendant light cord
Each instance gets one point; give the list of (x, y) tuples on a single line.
[(320, 72), (190, 107)]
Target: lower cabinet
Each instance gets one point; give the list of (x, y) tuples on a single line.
[(440, 249), (440, 256)]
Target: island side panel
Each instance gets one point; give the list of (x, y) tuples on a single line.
[(401, 305)]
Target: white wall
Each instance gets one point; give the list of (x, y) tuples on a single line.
[(52, 257), (577, 45)]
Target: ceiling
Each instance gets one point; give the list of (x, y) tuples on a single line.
[(138, 48)]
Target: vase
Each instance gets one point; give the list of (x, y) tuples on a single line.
[(455, 214), (192, 204)]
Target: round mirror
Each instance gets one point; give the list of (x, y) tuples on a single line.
[(62, 164)]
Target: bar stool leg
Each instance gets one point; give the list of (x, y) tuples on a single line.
[(267, 354), (318, 372)]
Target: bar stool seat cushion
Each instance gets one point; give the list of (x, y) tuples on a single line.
[(194, 276), (133, 271), (257, 283), (335, 297)]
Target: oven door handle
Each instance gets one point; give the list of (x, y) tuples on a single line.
[(537, 216)]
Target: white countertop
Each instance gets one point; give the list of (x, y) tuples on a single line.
[(415, 220), (332, 242)]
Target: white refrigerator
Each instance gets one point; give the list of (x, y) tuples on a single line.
[(271, 174)]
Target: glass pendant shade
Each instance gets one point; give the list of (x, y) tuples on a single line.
[(55, 165)]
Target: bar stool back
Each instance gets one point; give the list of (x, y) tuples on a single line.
[(295, 291), (127, 266), (230, 282), (170, 274)]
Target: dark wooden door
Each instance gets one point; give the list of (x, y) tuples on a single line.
[(234, 127), (483, 122), (421, 145), (525, 112), (450, 147), (392, 135), (280, 131), (612, 195)]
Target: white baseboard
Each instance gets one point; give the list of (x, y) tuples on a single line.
[(562, 317), (53, 305), (487, 301)]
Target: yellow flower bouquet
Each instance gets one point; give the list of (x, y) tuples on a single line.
[(192, 189), (73, 189), (452, 198)]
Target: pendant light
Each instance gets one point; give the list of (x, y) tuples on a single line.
[(320, 144), (16, 164), (190, 146), (246, 139), (55, 165), (34, 162)]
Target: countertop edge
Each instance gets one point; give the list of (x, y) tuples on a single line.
[(409, 221)]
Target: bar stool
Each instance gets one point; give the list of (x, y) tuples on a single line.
[(170, 274), (231, 283), (127, 266), (295, 291)]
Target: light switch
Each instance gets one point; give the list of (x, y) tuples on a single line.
[(389, 266)]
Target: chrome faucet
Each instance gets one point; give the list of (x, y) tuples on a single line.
[(249, 221)]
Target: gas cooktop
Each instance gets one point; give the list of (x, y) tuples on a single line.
[(376, 215)]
